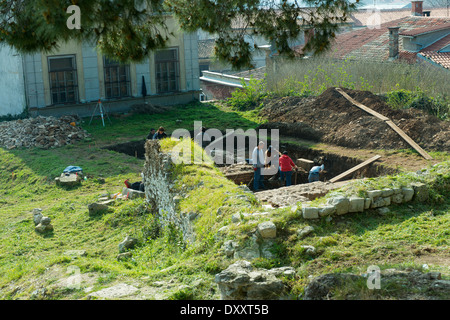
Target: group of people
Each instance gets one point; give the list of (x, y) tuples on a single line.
[(285, 165), (160, 134)]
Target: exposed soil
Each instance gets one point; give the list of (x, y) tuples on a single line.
[(341, 123)]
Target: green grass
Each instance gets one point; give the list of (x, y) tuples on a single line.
[(137, 126), (30, 261)]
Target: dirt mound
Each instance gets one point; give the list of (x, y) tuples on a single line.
[(342, 123)]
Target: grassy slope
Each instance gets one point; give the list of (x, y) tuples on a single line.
[(29, 261)]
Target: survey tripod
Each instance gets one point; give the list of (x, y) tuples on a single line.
[(102, 112)]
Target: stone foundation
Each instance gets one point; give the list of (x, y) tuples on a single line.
[(160, 192), (374, 199)]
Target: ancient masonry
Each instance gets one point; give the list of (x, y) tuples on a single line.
[(340, 205), (160, 189)]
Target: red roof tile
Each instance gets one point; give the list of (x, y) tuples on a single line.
[(373, 43), (441, 58), (407, 56)]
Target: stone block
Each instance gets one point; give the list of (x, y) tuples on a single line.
[(374, 194), (127, 243), (341, 203), (420, 191), (408, 194), (387, 192), (367, 203), (42, 228), (397, 198), (327, 211), (356, 204), (97, 208), (302, 233), (267, 230), (69, 180), (310, 212), (377, 203)]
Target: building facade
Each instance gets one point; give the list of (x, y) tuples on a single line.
[(73, 78)]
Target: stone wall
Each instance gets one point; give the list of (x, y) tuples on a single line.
[(160, 192), (373, 199)]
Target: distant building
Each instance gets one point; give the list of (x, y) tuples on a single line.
[(410, 39), (72, 79)]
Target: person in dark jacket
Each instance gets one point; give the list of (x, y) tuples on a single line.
[(151, 134), (160, 134)]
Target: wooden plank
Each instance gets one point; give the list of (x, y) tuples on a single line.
[(361, 106), (409, 140), (389, 123), (359, 166)]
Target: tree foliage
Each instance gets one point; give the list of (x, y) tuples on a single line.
[(127, 30)]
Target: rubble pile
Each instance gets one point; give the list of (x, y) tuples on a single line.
[(41, 132)]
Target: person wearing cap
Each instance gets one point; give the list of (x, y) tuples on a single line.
[(160, 134), (258, 164), (286, 165)]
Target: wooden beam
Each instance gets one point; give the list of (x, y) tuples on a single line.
[(389, 123), (361, 106), (359, 166), (409, 140)]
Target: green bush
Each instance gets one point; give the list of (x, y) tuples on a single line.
[(405, 99), (249, 96)]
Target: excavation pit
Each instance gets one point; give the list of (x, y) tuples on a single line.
[(242, 173)]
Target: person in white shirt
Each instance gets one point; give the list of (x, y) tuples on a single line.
[(258, 162)]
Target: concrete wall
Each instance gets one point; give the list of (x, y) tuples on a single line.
[(12, 87)]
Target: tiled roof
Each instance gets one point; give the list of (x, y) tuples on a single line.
[(441, 58), (438, 45), (257, 73), (407, 56), (431, 28), (373, 43), (369, 17), (206, 48)]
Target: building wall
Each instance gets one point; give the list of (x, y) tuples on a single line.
[(421, 41), (69, 48), (12, 89), (34, 82), (91, 77)]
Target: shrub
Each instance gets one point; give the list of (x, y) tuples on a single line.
[(249, 96), (405, 99)]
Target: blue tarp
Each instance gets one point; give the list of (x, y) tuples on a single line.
[(72, 169)]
